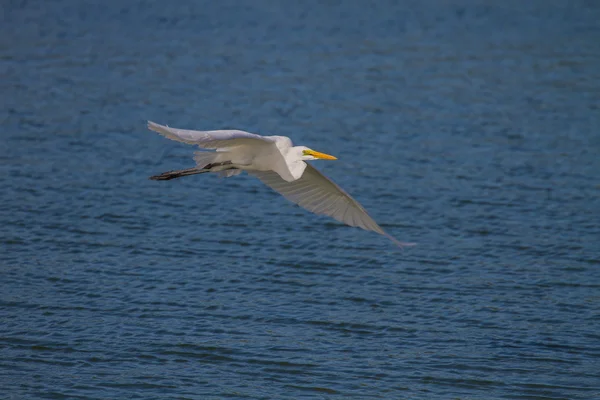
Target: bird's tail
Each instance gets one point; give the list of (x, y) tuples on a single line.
[(165, 176)]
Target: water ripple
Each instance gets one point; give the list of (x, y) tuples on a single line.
[(466, 127)]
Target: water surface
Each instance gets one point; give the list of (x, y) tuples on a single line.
[(468, 126)]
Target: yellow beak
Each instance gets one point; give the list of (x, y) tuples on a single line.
[(322, 156)]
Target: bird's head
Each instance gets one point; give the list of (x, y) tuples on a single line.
[(307, 154)]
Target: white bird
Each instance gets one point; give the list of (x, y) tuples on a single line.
[(278, 164)]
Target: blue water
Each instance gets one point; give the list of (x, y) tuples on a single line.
[(468, 126)]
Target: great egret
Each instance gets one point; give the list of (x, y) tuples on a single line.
[(278, 164)]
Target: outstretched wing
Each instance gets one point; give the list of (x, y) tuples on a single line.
[(318, 194), (210, 139)]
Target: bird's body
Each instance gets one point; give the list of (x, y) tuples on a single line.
[(277, 163)]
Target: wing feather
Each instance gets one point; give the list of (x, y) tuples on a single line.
[(210, 139), (320, 195)]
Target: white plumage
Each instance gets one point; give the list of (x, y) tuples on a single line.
[(278, 164)]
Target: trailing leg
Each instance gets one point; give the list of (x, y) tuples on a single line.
[(165, 176)]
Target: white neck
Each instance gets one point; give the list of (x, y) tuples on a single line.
[(294, 163)]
